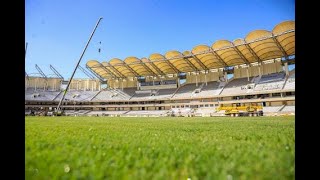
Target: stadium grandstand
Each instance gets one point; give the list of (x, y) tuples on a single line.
[(251, 72)]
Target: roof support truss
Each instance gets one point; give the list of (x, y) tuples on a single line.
[(106, 69), (190, 64), (116, 70), (86, 72), (245, 60), (172, 66), (218, 57), (199, 62), (156, 68), (40, 71), (94, 73), (147, 68), (252, 52), (279, 46), (55, 72), (131, 70)]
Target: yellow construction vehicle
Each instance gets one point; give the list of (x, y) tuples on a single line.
[(241, 110)]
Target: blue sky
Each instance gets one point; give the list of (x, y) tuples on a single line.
[(57, 30)]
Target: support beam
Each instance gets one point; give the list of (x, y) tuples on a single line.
[(95, 74), (205, 78), (131, 70), (245, 60), (259, 67), (286, 68), (252, 52), (40, 71), (190, 64), (147, 68), (116, 70), (172, 66), (155, 67), (218, 57), (199, 62), (86, 72), (56, 72), (107, 70), (279, 46), (197, 79)]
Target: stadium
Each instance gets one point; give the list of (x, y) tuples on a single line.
[(248, 76), (193, 90)]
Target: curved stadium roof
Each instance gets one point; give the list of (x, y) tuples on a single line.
[(257, 46)]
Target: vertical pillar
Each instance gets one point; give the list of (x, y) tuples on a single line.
[(205, 78), (138, 84), (275, 66), (226, 76), (178, 81), (122, 84), (35, 84), (248, 73), (286, 68), (259, 68), (26, 83), (87, 84), (196, 80)]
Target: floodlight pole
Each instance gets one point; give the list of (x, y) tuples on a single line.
[(75, 69)]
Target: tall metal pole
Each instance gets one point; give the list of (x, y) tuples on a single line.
[(75, 69), (25, 56)]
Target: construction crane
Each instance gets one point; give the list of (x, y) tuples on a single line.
[(58, 110)]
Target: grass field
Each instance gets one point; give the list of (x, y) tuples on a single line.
[(160, 148)]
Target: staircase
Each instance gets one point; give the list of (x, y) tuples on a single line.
[(285, 82), (96, 95), (221, 87), (124, 95), (280, 108), (176, 91), (198, 89), (57, 96)]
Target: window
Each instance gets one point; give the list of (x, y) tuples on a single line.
[(276, 94)]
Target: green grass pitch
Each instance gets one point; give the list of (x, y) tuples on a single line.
[(160, 148)]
